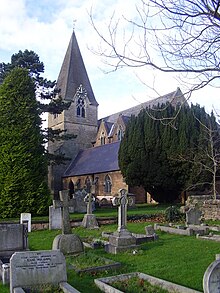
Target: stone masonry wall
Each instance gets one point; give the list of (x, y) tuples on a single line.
[(209, 207)]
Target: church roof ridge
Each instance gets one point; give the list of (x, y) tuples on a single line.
[(135, 110), (73, 73)]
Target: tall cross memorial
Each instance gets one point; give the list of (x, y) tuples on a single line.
[(64, 197), (122, 201), (67, 242), (122, 239)]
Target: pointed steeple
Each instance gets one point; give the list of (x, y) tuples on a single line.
[(73, 73)]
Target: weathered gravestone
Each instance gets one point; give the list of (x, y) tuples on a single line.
[(89, 220), (193, 216), (32, 269), (151, 232), (26, 219), (55, 217), (122, 239), (67, 242), (55, 213), (80, 204), (211, 278), (76, 204), (13, 237)]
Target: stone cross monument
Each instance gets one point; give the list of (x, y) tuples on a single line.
[(89, 220), (122, 239), (67, 242), (122, 201)]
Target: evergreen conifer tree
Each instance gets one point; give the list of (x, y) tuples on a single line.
[(23, 164), (166, 159)]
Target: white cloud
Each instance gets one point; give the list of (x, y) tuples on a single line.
[(45, 26)]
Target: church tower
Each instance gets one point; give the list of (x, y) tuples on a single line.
[(79, 119)]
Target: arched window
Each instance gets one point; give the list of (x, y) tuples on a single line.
[(80, 107), (102, 138), (108, 184), (71, 188), (78, 184), (88, 184), (96, 183), (120, 134)]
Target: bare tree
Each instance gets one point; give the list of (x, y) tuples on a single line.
[(171, 36), (210, 156), (207, 155)]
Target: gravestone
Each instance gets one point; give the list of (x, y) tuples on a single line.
[(13, 237), (151, 232), (211, 278), (193, 216), (55, 218), (89, 220), (55, 213), (122, 239), (26, 218), (34, 268), (67, 242), (80, 205)]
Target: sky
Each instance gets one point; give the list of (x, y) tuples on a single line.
[(45, 26)]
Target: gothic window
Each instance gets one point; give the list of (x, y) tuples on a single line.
[(88, 184), (71, 188), (108, 184), (120, 134), (102, 138), (96, 186), (80, 107), (78, 184)]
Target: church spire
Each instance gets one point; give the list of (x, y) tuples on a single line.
[(73, 73)]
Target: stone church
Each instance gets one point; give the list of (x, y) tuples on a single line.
[(93, 154)]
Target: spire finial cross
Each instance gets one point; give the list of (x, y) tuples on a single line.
[(74, 23)]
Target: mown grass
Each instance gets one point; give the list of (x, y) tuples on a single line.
[(179, 259), (140, 209)]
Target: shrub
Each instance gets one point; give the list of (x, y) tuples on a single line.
[(173, 214)]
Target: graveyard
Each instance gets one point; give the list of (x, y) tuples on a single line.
[(148, 251)]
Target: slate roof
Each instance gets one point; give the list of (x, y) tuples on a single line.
[(173, 98), (95, 160), (73, 73)]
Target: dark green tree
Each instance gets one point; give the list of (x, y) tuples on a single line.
[(161, 158), (48, 96), (23, 164)]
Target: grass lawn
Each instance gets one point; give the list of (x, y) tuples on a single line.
[(140, 209), (179, 259)]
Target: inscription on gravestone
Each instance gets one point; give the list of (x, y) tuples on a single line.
[(32, 268)]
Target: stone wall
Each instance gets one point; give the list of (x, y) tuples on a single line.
[(140, 194), (209, 207)]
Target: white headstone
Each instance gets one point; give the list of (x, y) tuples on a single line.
[(26, 218), (55, 218)]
